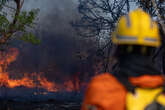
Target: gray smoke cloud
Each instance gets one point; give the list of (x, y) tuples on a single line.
[(54, 15), (55, 54)]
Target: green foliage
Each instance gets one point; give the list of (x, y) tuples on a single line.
[(26, 19), (22, 22), (4, 23), (29, 37)]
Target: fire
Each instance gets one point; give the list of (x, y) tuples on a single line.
[(69, 86), (50, 86), (11, 83), (31, 80)]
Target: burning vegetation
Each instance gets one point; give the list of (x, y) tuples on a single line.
[(32, 80)]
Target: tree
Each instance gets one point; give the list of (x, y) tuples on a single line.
[(99, 18), (15, 23), (157, 10)]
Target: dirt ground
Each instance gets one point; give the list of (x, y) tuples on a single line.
[(44, 105)]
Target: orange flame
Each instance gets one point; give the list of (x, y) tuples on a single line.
[(69, 86), (50, 86), (28, 81)]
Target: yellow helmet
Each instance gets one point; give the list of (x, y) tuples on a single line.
[(137, 28)]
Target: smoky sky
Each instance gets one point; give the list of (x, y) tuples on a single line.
[(54, 15), (54, 55)]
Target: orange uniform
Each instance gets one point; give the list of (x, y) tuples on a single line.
[(106, 93)]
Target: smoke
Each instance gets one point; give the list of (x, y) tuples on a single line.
[(55, 55), (54, 15)]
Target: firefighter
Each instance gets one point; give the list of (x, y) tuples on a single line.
[(137, 84)]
